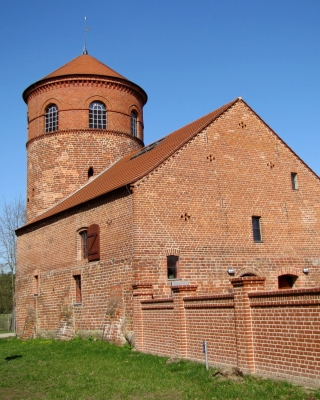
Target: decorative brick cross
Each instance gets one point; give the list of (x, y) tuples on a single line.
[(211, 158), (242, 124), (185, 216), (270, 164)]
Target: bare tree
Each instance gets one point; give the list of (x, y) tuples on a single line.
[(12, 215)]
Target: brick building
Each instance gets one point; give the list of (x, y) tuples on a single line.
[(211, 233)]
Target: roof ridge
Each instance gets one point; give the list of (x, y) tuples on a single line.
[(220, 111), (131, 168)]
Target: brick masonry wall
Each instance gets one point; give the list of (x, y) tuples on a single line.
[(286, 327), (58, 162), (52, 252), (73, 96), (211, 318), (158, 327)]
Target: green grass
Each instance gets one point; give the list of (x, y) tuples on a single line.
[(83, 369)]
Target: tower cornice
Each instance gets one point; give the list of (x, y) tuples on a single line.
[(122, 84), (85, 131)]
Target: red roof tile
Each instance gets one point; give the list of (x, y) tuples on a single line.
[(84, 65), (134, 166)]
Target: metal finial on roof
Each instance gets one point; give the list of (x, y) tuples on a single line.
[(85, 51)]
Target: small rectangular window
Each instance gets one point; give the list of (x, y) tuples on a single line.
[(77, 279), (172, 266), (84, 246), (294, 180), (256, 228), (36, 285)]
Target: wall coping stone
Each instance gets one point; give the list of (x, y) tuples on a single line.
[(154, 301), (184, 288), (210, 297), (284, 292)]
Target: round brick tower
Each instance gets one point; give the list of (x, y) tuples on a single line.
[(82, 118)]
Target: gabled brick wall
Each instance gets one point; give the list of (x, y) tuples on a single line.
[(200, 202)]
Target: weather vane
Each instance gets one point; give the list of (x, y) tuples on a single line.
[(85, 51)]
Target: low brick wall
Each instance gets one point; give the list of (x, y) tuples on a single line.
[(158, 326), (286, 334), (272, 334), (211, 319)]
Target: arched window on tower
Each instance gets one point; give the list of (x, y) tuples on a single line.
[(134, 123), (97, 115), (51, 123)]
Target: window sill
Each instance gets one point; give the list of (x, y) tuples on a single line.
[(258, 241), (77, 304), (178, 282)]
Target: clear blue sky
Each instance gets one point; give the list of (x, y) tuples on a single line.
[(190, 57)]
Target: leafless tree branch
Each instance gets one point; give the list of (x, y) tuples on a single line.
[(12, 215)]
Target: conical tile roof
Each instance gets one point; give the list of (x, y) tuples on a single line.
[(84, 65)]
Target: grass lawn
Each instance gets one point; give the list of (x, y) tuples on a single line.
[(83, 369)]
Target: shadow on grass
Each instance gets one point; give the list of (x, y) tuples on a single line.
[(9, 358)]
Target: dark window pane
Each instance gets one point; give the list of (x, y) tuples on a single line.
[(77, 279), (84, 248), (172, 266), (134, 124), (286, 281), (256, 229)]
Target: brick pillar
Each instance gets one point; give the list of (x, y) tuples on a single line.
[(179, 293), (242, 310), (30, 323), (141, 291)]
